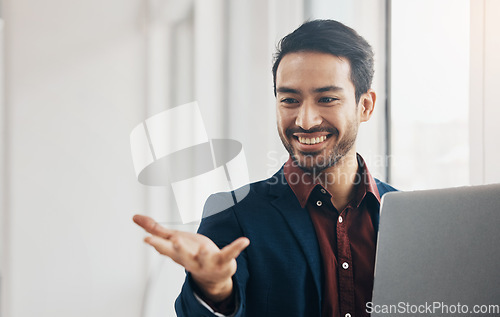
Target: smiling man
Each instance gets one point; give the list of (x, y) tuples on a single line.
[(301, 243), (318, 118)]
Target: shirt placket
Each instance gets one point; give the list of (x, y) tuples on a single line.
[(345, 272)]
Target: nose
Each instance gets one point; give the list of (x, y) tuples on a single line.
[(308, 116)]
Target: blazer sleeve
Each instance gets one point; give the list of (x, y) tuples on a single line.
[(222, 228)]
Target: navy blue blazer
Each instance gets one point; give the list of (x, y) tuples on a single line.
[(280, 272)]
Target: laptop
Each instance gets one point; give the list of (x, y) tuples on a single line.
[(438, 253)]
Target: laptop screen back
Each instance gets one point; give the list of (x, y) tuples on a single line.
[(438, 253)]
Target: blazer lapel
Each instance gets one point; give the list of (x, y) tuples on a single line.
[(300, 224)]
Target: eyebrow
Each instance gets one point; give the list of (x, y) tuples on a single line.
[(328, 88), (288, 90), (316, 90)]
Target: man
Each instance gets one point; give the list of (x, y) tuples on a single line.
[(313, 225)]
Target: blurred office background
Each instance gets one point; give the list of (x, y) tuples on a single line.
[(77, 76)]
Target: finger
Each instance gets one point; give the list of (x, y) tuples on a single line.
[(163, 246), (234, 249), (152, 226), (177, 250)]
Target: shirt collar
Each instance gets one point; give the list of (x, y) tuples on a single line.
[(302, 183), (368, 184)]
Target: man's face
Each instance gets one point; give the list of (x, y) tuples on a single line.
[(318, 118)]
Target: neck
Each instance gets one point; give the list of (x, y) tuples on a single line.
[(340, 180)]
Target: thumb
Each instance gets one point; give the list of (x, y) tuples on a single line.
[(231, 251)]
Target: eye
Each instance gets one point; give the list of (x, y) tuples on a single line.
[(327, 99), (289, 100)]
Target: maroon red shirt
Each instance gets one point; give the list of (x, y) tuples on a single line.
[(347, 239)]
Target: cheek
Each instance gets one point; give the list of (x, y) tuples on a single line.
[(334, 119), (340, 117), (285, 118), (282, 119)]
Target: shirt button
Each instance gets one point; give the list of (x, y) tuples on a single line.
[(323, 191), (345, 265), (340, 219), (347, 315), (319, 203)]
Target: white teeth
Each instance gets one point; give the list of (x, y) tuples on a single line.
[(312, 140)]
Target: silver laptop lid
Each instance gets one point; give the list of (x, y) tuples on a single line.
[(438, 253)]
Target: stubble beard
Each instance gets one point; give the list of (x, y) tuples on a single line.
[(315, 163)]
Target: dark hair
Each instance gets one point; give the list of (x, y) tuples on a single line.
[(332, 37)]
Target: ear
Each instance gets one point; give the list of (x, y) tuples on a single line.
[(367, 104)]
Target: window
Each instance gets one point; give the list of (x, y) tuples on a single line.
[(429, 93)]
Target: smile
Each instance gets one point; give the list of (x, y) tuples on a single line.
[(316, 140)]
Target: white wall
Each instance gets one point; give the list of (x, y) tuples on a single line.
[(75, 88), (255, 27)]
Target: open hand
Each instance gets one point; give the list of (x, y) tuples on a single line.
[(211, 268)]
